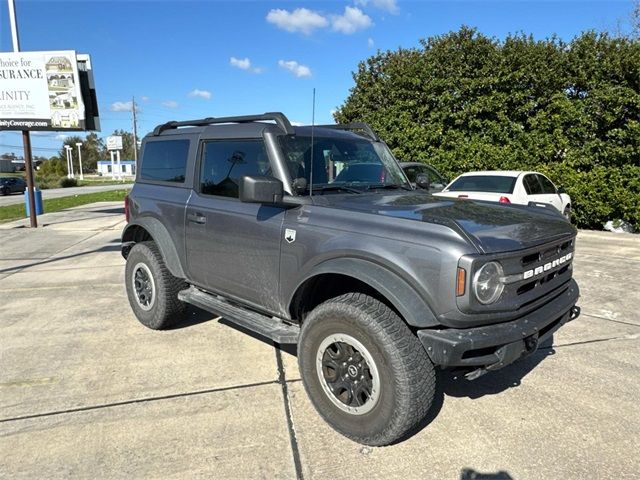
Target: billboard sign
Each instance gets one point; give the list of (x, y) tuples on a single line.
[(40, 91), (114, 142)]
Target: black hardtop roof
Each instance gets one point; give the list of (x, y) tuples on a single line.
[(254, 125)]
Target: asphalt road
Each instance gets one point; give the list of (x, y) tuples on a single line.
[(62, 192), (86, 391)]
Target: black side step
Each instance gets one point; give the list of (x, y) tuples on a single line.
[(270, 327)]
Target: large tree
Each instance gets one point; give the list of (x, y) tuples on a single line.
[(463, 101)]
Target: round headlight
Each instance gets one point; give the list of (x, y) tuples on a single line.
[(487, 285)]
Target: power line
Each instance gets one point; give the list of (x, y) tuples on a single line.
[(33, 148)]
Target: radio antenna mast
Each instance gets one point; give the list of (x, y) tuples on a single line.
[(313, 123)]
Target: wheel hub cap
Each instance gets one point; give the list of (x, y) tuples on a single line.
[(348, 374), (143, 286)]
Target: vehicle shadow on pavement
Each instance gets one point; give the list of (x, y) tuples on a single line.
[(455, 385), (113, 246), (194, 316)]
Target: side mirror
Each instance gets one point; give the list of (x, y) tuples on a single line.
[(422, 181), (561, 190), (260, 189)]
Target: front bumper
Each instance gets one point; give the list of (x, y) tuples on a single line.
[(495, 346)]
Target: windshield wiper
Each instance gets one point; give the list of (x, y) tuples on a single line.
[(335, 188), (389, 186)]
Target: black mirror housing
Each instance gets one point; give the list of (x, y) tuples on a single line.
[(422, 181), (260, 189)]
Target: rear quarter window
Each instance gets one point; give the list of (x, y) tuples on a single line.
[(165, 161), (483, 183)]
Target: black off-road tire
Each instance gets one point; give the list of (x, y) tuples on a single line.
[(5, 191), (164, 309), (406, 375)]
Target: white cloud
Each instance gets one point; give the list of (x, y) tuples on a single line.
[(297, 124), (170, 104), (370, 42), (390, 6), (241, 63), (145, 98), (244, 64), (61, 136), (121, 106), (206, 94), (300, 20), (294, 67), (352, 20)]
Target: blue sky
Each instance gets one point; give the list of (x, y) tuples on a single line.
[(184, 59)]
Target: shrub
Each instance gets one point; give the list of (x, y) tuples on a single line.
[(66, 182), (45, 182)]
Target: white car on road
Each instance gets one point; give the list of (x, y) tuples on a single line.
[(517, 187)]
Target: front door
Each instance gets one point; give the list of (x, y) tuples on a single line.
[(233, 248)]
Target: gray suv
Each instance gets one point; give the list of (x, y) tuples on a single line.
[(314, 236)]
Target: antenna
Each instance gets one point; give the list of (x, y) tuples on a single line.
[(313, 123)]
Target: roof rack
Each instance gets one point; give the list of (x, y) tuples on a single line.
[(354, 127), (281, 120)]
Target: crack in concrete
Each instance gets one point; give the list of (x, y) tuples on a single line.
[(610, 319), (295, 451), (139, 400)]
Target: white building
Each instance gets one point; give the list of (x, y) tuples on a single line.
[(127, 168)]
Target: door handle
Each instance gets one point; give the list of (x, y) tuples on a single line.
[(197, 218)]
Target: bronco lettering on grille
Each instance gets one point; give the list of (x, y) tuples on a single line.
[(534, 272)]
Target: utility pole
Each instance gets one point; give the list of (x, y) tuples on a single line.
[(135, 130), (26, 138)]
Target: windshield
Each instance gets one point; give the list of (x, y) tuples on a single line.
[(483, 183), (341, 162)]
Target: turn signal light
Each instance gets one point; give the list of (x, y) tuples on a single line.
[(461, 281), (504, 200)]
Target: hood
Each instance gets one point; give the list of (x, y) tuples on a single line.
[(490, 227)]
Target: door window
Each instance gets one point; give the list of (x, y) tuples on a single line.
[(531, 185), (547, 186), (165, 161), (411, 173), (225, 162)]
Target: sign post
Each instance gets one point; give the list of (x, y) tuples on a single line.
[(26, 139), (79, 144), (113, 167)]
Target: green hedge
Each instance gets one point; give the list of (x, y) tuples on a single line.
[(463, 102)]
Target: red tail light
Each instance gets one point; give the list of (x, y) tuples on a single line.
[(463, 196), (504, 200), (126, 208)]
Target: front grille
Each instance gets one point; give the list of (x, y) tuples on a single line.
[(538, 256), (542, 282)]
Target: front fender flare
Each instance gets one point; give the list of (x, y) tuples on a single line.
[(396, 290)]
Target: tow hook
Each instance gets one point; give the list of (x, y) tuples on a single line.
[(575, 312), (531, 344)]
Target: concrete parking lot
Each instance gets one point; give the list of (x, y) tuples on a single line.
[(86, 391)]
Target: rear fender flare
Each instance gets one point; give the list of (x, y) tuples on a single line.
[(162, 239)]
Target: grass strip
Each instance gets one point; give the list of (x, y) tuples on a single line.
[(16, 212)]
